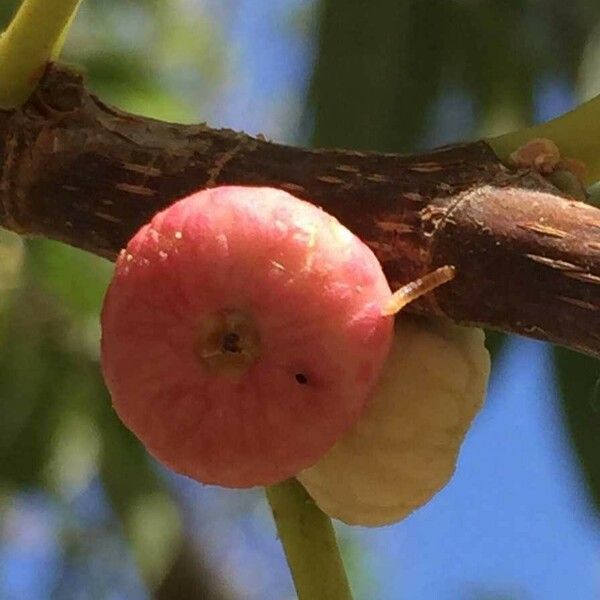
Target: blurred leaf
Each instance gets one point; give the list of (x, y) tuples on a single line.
[(160, 59), (44, 375), (578, 376), (377, 72), (75, 279), (7, 10), (27, 365), (72, 461), (146, 510), (494, 342), (494, 57)]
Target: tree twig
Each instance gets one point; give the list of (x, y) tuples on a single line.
[(527, 257)]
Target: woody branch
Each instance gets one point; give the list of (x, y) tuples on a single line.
[(527, 256)]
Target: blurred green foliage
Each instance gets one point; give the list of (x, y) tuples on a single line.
[(579, 381), (58, 431), (155, 58), (383, 73)]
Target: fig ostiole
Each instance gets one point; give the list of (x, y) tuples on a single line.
[(248, 337)]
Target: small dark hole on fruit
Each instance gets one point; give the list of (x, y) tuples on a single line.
[(301, 378), (231, 342)]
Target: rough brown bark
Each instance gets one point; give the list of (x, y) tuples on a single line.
[(527, 256)]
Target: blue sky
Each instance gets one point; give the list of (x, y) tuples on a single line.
[(515, 522)]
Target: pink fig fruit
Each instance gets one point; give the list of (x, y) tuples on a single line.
[(243, 334)]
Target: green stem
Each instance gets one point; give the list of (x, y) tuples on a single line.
[(309, 542), (576, 133), (33, 38)]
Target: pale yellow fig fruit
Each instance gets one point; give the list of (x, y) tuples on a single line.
[(404, 448)]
